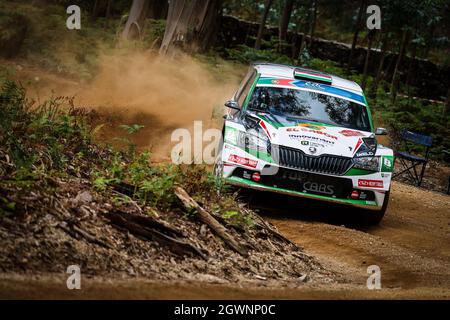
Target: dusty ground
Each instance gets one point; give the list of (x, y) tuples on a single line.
[(411, 246)]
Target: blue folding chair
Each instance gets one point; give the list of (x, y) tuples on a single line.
[(411, 162)]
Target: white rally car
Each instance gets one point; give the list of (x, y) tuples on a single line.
[(305, 133)]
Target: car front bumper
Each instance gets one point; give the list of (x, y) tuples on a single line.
[(370, 187), (244, 183)]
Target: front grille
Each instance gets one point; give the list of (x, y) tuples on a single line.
[(297, 159), (306, 182)]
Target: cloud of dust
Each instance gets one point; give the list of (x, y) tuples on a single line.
[(161, 93)]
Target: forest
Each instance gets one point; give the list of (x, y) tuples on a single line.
[(403, 67), (92, 91)]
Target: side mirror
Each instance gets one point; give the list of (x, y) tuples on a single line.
[(232, 105), (381, 132)]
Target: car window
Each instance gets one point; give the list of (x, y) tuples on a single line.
[(245, 87), (294, 104)]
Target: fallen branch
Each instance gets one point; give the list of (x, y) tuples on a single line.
[(263, 225), (76, 232), (177, 246), (129, 199), (209, 220), (152, 223)]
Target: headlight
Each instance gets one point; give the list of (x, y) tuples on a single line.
[(367, 163), (252, 140)]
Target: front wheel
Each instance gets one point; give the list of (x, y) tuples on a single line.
[(372, 217), (218, 173)]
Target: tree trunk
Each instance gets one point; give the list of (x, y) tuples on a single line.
[(395, 76), (410, 72), (295, 46), (191, 24), (209, 220), (312, 26), (95, 10), (262, 24), (135, 23), (374, 87), (108, 9), (370, 38), (447, 103), (284, 22), (362, 5)]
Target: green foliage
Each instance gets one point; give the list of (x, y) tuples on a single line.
[(154, 32), (245, 54), (7, 208), (230, 214), (416, 115), (50, 138), (36, 135), (131, 130)]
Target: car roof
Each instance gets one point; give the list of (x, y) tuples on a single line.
[(287, 71)]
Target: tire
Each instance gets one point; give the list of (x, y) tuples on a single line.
[(218, 173), (218, 167), (372, 217)]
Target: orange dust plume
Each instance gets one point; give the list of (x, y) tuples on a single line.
[(161, 93)]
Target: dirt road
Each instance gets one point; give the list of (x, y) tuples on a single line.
[(411, 246)]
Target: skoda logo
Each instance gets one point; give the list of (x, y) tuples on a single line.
[(312, 149)]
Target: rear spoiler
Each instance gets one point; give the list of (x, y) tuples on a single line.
[(314, 76)]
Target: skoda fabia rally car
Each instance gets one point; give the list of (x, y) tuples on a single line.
[(305, 133)]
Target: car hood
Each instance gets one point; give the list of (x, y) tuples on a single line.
[(314, 138)]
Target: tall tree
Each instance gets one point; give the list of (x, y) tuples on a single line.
[(262, 23), (284, 22), (384, 47), (191, 25), (447, 103), (362, 5), (312, 21), (370, 38), (136, 18), (95, 10), (401, 54), (108, 9)]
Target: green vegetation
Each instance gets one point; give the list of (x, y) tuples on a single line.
[(42, 142)]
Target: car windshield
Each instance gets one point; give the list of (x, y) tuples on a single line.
[(298, 105)]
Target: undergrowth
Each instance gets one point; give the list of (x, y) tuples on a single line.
[(41, 142)]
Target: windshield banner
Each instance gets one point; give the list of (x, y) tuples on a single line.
[(314, 86)]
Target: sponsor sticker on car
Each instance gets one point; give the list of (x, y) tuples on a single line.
[(351, 133), (243, 161), (306, 140), (370, 183), (387, 164), (310, 126)]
